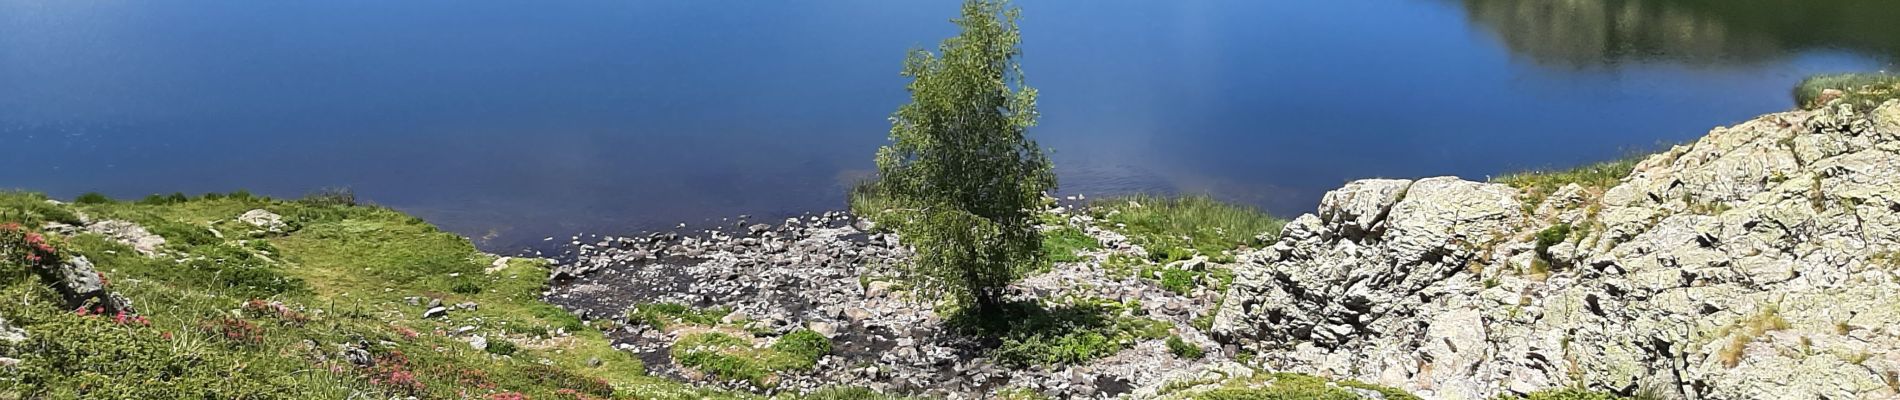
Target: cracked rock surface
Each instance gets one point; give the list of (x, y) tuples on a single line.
[(1757, 262)]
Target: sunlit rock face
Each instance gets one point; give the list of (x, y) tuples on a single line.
[(1762, 261)]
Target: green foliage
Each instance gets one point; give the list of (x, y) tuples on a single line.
[(159, 199), (731, 357), (1179, 281), (1183, 349), (501, 347), (1031, 334), (328, 284), (1289, 386), (466, 287), (848, 393), (1538, 184), (662, 315), (32, 209), (1061, 245), (805, 344), (1174, 229), (1551, 236), (1862, 90), (92, 198), (960, 172), (1570, 393)]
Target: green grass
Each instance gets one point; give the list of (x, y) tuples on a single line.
[(1564, 394), (1062, 244), (1183, 349), (1290, 386), (662, 315), (1863, 90), (731, 357), (1033, 334), (341, 272), (1179, 281), (1178, 228), (1539, 184)]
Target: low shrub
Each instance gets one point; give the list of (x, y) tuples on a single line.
[(92, 198), (806, 344), (1031, 334), (501, 347), (1183, 349)]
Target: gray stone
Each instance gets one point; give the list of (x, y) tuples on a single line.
[(130, 234), (478, 342), (1788, 222), (433, 312), (266, 220)]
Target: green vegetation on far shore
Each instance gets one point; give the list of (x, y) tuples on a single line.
[(1863, 90)]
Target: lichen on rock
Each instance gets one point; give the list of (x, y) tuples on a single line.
[(1752, 263)]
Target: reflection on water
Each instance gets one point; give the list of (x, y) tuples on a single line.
[(1587, 33), (513, 122)]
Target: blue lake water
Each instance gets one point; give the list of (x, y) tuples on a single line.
[(513, 121)]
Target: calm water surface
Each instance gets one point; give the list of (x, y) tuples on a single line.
[(511, 121)]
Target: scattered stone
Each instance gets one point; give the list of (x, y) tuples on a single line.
[(433, 312), (130, 234), (270, 222)]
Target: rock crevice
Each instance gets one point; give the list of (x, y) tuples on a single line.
[(1761, 261)]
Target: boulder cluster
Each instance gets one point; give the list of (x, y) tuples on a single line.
[(832, 273), (1757, 262)]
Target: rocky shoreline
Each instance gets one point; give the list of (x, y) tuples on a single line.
[(1762, 261), (834, 274)]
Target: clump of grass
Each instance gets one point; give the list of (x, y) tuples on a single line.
[(1862, 90), (1551, 237), (92, 198), (1032, 334), (1062, 244), (159, 200), (501, 347), (731, 357), (1747, 331), (867, 200), (1183, 349), (1282, 385), (1568, 393), (32, 209), (848, 393), (1178, 228), (1539, 184), (661, 315), (1179, 281)]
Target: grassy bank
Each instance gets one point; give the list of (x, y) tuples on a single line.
[(1178, 228), (233, 311), (1863, 90)]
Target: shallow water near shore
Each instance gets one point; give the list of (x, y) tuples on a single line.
[(510, 123)]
